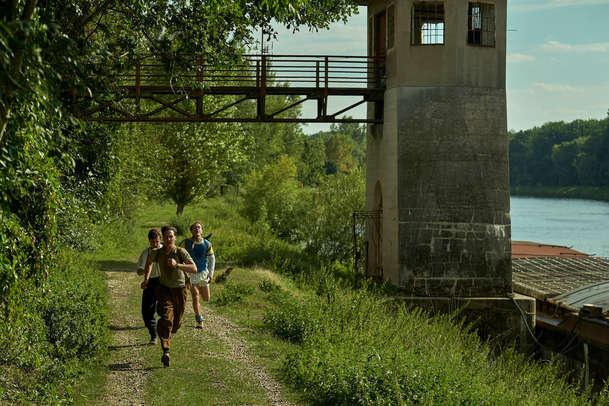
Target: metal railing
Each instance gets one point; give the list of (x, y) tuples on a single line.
[(310, 71)]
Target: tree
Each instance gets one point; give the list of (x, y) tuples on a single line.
[(271, 197), (339, 151), (311, 164), (327, 225), (49, 47), (191, 157)]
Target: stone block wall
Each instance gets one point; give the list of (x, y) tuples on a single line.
[(453, 192)]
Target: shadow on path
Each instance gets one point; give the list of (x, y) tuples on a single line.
[(118, 347), (124, 328), (128, 366), (117, 266)]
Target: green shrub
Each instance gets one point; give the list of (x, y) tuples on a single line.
[(268, 286), (233, 293), (358, 350), (270, 197), (76, 312), (182, 224), (48, 329), (290, 321)]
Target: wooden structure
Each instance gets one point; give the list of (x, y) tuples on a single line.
[(187, 89)]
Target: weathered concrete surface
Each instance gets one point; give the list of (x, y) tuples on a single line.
[(441, 159), (453, 192)]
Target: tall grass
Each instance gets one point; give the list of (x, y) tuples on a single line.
[(358, 348), (50, 332)]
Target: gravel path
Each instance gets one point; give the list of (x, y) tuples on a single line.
[(128, 370), (239, 351), (125, 382)]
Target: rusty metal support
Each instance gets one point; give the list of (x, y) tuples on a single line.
[(228, 106), (288, 107), (348, 108), (261, 104)]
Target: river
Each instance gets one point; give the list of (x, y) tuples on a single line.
[(580, 224)]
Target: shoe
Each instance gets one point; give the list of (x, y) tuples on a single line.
[(152, 341), (165, 359), (199, 324)]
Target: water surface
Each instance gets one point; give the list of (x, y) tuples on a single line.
[(580, 224)]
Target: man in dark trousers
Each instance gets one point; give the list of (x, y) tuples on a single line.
[(174, 262), (149, 295)]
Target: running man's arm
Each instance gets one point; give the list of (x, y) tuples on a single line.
[(141, 263), (147, 270), (211, 261)]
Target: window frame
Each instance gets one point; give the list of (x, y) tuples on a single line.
[(486, 35), (437, 16)]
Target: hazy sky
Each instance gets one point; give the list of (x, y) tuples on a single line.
[(557, 58)]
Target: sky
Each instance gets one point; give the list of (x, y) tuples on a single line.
[(557, 59)]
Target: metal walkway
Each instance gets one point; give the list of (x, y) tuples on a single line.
[(190, 90)]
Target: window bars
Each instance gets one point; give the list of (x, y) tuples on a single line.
[(481, 24), (428, 23)]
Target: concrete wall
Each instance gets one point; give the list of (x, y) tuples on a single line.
[(442, 160)]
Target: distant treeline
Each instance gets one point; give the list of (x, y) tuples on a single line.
[(559, 157)]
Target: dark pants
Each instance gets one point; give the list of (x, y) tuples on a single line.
[(170, 307), (149, 299)]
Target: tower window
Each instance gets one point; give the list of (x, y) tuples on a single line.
[(481, 24), (427, 23)]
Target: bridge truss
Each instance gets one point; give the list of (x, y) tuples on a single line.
[(193, 91)]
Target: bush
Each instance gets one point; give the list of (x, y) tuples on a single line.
[(270, 197), (63, 317), (327, 227), (76, 312), (358, 350), (268, 286), (182, 224), (290, 321), (233, 293)]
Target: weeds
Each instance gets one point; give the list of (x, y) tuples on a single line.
[(233, 293)]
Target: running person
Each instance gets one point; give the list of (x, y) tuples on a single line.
[(149, 295), (174, 263), (202, 253)]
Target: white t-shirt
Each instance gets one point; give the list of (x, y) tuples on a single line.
[(141, 264)]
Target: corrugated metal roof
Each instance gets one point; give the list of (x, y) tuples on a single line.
[(596, 294), (547, 277)]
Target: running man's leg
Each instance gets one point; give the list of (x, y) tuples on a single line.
[(165, 309), (149, 297), (179, 297)]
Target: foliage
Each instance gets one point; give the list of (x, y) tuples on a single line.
[(232, 293), (49, 47), (192, 157), (49, 330), (75, 316), (271, 197), (359, 349), (345, 147), (29, 200), (329, 220), (268, 286), (561, 154)]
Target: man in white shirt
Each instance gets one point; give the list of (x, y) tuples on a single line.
[(150, 294)]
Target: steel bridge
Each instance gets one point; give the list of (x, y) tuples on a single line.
[(193, 91)]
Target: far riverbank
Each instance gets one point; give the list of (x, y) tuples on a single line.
[(565, 192)]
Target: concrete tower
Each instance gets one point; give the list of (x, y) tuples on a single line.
[(437, 169)]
